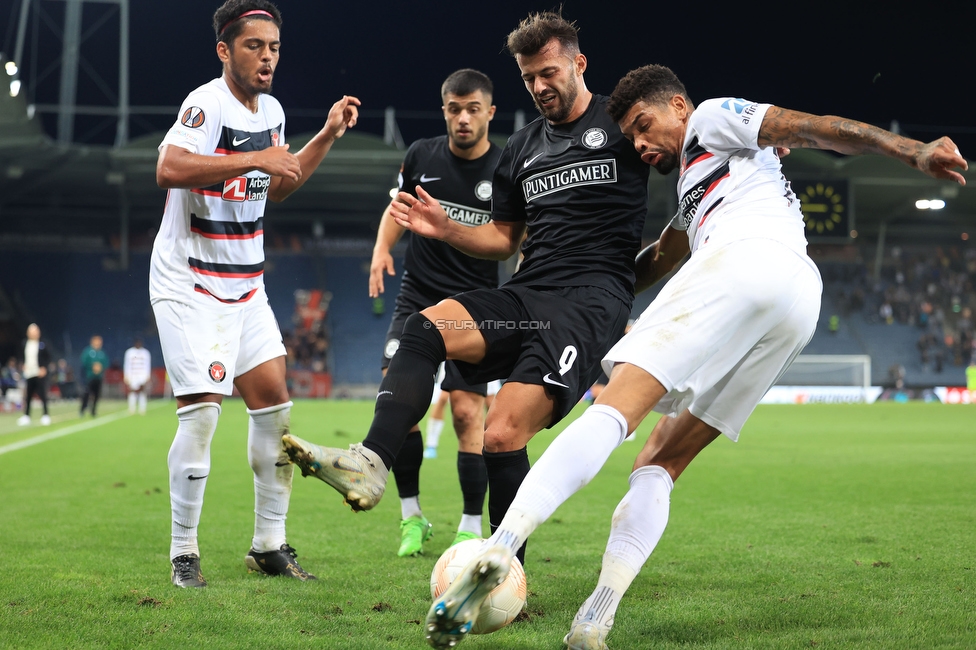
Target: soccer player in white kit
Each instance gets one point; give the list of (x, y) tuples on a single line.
[(222, 159), (720, 333), (136, 368)]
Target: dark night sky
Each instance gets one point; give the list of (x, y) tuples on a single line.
[(864, 60)]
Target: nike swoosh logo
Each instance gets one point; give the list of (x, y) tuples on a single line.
[(197, 478), (547, 380), (532, 159), (238, 143), (285, 464), (427, 179)]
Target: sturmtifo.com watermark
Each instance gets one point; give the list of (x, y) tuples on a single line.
[(444, 324)]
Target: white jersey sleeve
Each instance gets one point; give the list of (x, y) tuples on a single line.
[(198, 126), (730, 125)]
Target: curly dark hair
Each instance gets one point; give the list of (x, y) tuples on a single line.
[(227, 21), (650, 83), (466, 81), (534, 32)]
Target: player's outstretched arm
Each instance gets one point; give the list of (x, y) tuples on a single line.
[(343, 115), (177, 168), (423, 215), (660, 258), (387, 236), (782, 127)]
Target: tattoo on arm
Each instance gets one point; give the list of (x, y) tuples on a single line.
[(782, 127)]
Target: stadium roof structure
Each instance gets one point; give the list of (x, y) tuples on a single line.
[(49, 190)]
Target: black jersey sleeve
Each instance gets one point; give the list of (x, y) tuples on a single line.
[(407, 179), (507, 203)]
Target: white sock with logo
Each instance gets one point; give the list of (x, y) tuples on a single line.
[(189, 466), (272, 474), (434, 428), (561, 471), (637, 526)]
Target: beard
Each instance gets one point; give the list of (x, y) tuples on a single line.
[(468, 143), (249, 86), (666, 164), (561, 112)]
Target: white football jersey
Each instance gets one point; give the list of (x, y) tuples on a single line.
[(136, 365), (212, 238), (729, 188)]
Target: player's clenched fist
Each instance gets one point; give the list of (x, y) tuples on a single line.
[(278, 161)]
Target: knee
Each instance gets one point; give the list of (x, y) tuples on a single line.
[(467, 420)]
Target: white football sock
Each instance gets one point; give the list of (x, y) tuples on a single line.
[(637, 526), (142, 402), (272, 474), (470, 524), (561, 471), (410, 507), (189, 466), (434, 428), (132, 402)]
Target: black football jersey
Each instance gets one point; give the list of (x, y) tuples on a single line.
[(581, 189), (464, 189)]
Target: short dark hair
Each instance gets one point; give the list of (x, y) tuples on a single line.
[(650, 83), (227, 21), (466, 81), (538, 29)]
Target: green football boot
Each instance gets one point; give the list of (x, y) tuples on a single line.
[(414, 531)]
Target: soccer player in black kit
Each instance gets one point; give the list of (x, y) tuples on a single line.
[(576, 189), (457, 167)]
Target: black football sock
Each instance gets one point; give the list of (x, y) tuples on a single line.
[(405, 392), (506, 470), (474, 481), (406, 467)]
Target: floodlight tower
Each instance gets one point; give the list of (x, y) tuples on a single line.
[(72, 38)]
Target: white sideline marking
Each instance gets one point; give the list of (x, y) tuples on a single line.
[(67, 431)]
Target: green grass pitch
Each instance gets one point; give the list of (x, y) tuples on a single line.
[(825, 526)]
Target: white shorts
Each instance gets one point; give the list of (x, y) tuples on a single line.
[(724, 329), (494, 386), (206, 344)]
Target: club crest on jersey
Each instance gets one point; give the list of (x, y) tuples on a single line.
[(217, 371), (193, 117), (483, 190), (275, 138), (594, 138)]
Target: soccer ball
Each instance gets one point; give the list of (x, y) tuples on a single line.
[(503, 603)]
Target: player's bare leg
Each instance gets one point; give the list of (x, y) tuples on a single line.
[(359, 473), (266, 397)]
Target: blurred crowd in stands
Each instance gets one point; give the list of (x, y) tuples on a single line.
[(931, 288), (307, 345)]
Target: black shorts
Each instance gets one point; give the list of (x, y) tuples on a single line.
[(554, 337), (409, 301)]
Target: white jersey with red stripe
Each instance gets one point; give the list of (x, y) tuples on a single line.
[(730, 188), (212, 238)]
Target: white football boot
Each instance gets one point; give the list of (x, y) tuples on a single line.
[(357, 473)]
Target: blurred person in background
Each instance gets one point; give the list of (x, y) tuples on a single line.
[(36, 358), (94, 361), (136, 368)]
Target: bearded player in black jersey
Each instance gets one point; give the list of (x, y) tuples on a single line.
[(576, 189), (458, 168)]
